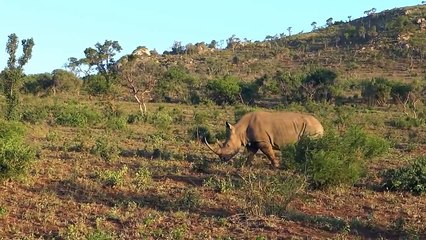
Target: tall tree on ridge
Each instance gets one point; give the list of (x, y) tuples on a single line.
[(12, 75)]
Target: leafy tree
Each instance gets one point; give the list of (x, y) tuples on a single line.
[(314, 25), (289, 31), (13, 74), (37, 83), (329, 22), (178, 85), (100, 58), (318, 85), (407, 96), (178, 48), (376, 91), (213, 44), (232, 42), (289, 85)]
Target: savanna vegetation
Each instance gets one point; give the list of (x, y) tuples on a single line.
[(112, 149)]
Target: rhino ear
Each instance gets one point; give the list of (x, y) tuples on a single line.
[(229, 126)]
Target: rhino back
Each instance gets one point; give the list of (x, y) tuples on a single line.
[(281, 128)]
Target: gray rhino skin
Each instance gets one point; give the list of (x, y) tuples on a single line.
[(267, 131)]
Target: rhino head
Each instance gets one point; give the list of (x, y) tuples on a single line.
[(230, 147)]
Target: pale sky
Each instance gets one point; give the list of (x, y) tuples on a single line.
[(63, 29)]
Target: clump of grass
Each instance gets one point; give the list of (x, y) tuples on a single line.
[(270, 195), (105, 149), (222, 184), (410, 178)]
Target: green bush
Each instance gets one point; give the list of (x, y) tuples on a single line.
[(15, 156), (35, 115), (96, 85), (410, 178), (113, 178), (161, 119), (75, 115), (224, 90), (334, 159), (319, 85), (407, 122)]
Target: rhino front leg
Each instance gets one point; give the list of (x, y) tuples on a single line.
[(269, 152), (252, 151)]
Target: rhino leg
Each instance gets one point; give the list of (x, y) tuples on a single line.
[(252, 151), (269, 152)]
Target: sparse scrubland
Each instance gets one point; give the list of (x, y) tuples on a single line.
[(81, 158)]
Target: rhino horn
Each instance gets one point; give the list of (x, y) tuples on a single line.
[(208, 145)]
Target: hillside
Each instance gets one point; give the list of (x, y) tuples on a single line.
[(390, 44)]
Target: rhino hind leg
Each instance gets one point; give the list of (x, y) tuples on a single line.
[(269, 152)]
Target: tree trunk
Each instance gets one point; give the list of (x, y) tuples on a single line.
[(140, 105)]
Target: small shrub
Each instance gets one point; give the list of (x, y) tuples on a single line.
[(116, 123), (376, 91), (75, 145), (334, 159), (200, 132), (410, 178), (105, 149), (143, 177), (134, 118), (160, 119), (191, 199), (3, 211), (201, 165), (15, 156), (113, 178)]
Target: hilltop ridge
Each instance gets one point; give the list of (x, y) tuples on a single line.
[(391, 43)]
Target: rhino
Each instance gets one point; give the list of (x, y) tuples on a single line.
[(267, 131)]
